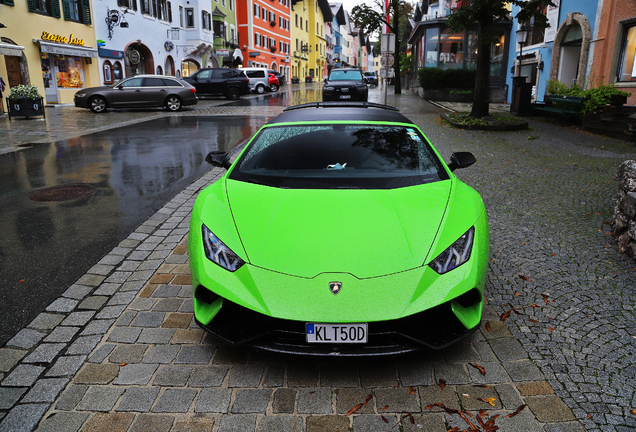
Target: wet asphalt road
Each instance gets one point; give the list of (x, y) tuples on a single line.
[(134, 170)]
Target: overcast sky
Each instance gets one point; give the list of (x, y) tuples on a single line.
[(349, 4)]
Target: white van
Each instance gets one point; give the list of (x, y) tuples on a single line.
[(259, 79)]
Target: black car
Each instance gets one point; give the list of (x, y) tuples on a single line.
[(231, 83), (372, 78), (345, 84), (280, 76)]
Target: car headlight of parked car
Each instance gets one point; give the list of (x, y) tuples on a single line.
[(80, 95), (455, 255), (219, 253)]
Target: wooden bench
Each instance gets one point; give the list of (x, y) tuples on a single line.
[(567, 106)]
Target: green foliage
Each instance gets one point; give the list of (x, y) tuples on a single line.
[(405, 63), (461, 92), (594, 98), (466, 119), (24, 91), (435, 78)]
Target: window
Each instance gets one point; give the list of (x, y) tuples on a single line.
[(264, 42), (231, 5), (280, 22), (257, 39), (180, 16), (69, 71), (535, 34), (272, 17), (130, 4), (108, 76), (117, 71), (188, 67), (257, 10), (205, 16), (306, 25), (301, 23), (296, 44), (264, 14), (163, 12), (296, 20), (222, 2), (155, 8), (145, 7), (74, 10), (219, 29), (43, 7), (626, 70), (189, 19)]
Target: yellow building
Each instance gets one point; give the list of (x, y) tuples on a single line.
[(319, 14), (300, 39), (49, 44)]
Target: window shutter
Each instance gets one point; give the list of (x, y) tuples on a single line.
[(31, 4), (86, 9), (9, 2), (169, 12), (67, 10), (55, 8)]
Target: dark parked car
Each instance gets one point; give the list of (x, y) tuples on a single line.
[(138, 92), (231, 83), (280, 76), (372, 78), (345, 84)]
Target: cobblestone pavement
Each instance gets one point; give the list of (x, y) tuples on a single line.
[(119, 349)]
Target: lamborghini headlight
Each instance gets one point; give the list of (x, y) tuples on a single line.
[(217, 252), (455, 255)]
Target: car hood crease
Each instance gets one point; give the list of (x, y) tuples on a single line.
[(366, 233)]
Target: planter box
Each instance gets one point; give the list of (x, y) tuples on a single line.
[(25, 108), (295, 80)]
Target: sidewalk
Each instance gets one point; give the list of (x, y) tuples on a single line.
[(119, 351)]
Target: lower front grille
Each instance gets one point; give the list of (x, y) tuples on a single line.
[(434, 328)]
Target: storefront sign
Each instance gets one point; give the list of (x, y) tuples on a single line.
[(553, 18), (223, 53), (108, 53), (71, 40)]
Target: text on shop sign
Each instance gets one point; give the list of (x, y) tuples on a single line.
[(62, 39)]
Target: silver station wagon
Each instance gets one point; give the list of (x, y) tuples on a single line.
[(140, 91)]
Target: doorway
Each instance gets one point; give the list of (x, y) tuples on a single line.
[(13, 70)]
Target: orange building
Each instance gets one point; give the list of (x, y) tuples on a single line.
[(614, 58), (264, 34)]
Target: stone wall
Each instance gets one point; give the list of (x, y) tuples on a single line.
[(497, 95), (624, 220), (612, 121)]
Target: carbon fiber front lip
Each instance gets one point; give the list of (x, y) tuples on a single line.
[(435, 329)]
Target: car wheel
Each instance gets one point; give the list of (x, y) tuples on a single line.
[(273, 88), (260, 89), (233, 93), (173, 103), (98, 104)]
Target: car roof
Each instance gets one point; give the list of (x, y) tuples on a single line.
[(338, 111)]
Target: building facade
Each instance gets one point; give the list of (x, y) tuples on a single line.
[(319, 15), (264, 34), (55, 51)]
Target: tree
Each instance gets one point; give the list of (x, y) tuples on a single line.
[(487, 14), (370, 21)]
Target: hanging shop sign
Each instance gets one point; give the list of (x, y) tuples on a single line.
[(109, 53), (71, 40), (223, 53), (134, 56)]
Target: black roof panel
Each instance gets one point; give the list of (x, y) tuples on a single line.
[(335, 113)]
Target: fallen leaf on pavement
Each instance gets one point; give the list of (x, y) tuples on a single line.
[(479, 368), (521, 407), (123, 364), (517, 294), (525, 278), (545, 298), (412, 391), (442, 383), (550, 328), (383, 418), (354, 409), (490, 400), (483, 413), (481, 386), (533, 320), (444, 407), (366, 401), (384, 408), (632, 412), (505, 315), (488, 325)]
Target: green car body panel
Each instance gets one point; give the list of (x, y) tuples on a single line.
[(378, 243)]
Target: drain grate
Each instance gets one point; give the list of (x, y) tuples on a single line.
[(63, 193)]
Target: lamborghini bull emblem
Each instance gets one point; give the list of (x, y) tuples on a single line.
[(335, 287)]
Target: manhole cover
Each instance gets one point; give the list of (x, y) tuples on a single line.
[(63, 193)]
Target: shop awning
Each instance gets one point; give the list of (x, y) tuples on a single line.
[(11, 50), (63, 49)]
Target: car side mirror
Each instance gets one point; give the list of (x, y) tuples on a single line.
[(461, 160), (325, 79), (219, 159), (196, 77)]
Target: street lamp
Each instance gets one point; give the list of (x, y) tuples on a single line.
[(522, 35)]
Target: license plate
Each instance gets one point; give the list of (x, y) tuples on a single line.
[(336, 333), (345, 97)]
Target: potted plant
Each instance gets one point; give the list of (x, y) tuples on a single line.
[(25, 101), (295, 80), (309, 79)]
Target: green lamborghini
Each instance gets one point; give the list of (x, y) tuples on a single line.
[(339, 230)]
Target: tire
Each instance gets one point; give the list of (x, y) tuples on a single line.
[(233, 93), (273, 88), (173, 103), (98, 104), (260, 89)]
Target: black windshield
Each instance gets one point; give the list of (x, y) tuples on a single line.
[(339, 156)]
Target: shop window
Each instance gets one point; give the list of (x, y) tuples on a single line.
[(159, 70), (117, 71), (169, 66), (497, 58), (626, 70), (188, 67), (451, 50), (69, 72), (108, 73), (432, 39)]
